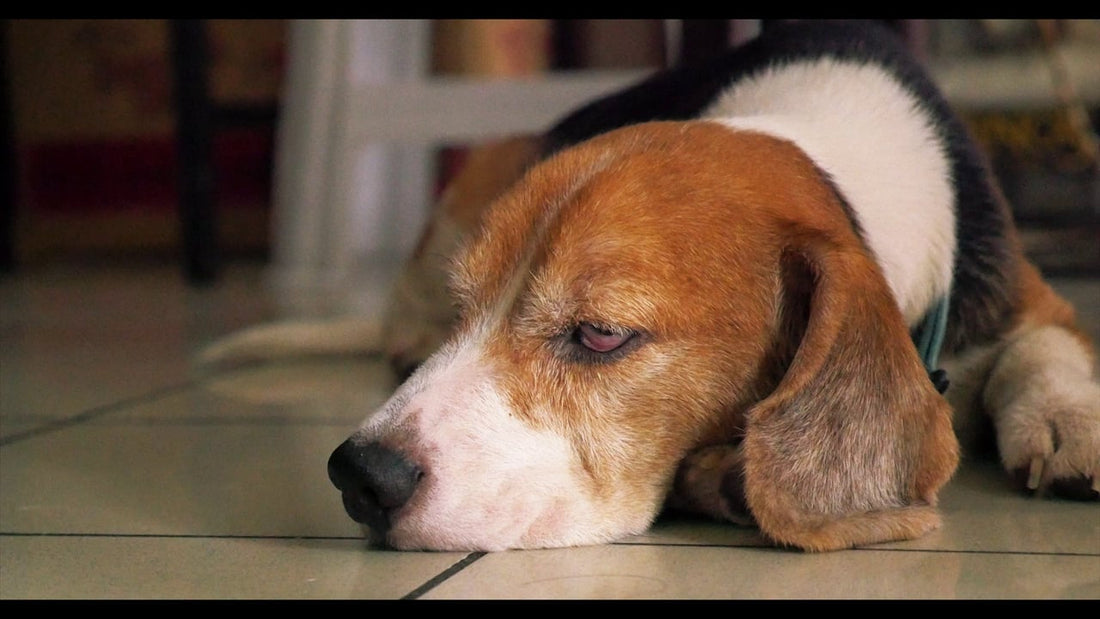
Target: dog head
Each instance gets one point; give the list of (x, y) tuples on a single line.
[(654, 290)]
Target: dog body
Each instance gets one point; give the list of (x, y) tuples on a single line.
[(703, 292)]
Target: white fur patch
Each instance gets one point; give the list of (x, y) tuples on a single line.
[(491, 480), (1045, 405), (871, 136)]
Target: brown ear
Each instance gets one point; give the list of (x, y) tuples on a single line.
[(854, 442)]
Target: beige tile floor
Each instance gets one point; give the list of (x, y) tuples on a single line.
[(124, 473)]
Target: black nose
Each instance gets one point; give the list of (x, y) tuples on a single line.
[(374, 481)]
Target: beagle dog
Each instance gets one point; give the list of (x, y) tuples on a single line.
[(732, 290)]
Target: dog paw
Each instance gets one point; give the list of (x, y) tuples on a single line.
[(1054, 448), (710, 482)]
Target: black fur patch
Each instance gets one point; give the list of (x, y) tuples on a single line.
[(982, 294)]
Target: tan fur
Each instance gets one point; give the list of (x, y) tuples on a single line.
[(854, 436), (419, 316), (1037, 385), (1038, 304), (1043, 397), (486, 173), (771, 380), (845, 449)]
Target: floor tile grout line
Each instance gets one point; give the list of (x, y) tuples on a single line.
[(199, 379), (96, 412), (443, 576), (106, 409), (416, 593)]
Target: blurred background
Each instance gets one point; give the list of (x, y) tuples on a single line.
[(168, 182), (316, 147)]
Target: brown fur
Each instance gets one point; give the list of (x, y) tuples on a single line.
[(771, 379), (419, 316), (1039, 305), (695, 257)]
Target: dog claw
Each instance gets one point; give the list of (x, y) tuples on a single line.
[(1079, 487), (1035, 473)]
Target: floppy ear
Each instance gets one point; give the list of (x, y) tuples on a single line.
[(854, 442)]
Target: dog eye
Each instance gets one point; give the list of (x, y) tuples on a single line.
[(600, 339)]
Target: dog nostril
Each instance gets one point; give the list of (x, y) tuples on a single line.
[(373, 479)]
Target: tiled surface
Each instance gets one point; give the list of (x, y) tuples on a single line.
[(124, 474)]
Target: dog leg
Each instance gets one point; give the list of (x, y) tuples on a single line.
[(295, 339), (710, 482), (1045, 406)]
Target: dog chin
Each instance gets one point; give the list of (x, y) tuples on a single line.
[(435, 522), (545, 533), (510, 518)]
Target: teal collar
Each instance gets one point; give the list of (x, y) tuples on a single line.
[(929, 341)]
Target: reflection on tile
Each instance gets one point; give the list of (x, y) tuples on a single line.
[(980, 509), (676, 572), (679, 530), (982, 512), (209, 479), (345, 389), (83, 567), (77, 340)]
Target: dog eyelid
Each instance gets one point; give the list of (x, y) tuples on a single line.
[(600, 339)]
